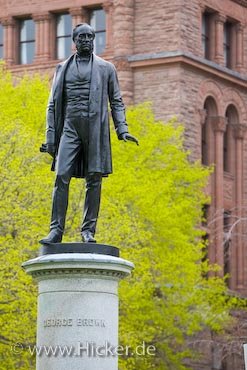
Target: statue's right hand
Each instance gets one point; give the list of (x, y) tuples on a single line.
[(48, 148), (51, 149)]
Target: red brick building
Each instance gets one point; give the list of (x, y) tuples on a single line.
[(189, 58)]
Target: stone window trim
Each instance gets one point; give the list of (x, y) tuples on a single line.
[(45, 29), (232, 29), (239, 130), (218, 123), (10, 26), (215, 26), (208, 32)]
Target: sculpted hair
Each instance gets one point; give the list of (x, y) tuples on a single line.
[(75, 30)]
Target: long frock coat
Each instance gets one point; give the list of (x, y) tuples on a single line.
[(104, 87)]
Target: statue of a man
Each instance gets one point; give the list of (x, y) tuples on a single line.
[(77, 134)]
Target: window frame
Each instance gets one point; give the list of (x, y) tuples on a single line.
[(98, 31), (205, 34), (26, 42), (227, 43), (65, 36)]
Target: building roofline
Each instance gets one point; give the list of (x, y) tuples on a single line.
[(241, 2), (142, 60)]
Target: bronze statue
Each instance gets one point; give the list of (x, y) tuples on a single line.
[(77, 134)]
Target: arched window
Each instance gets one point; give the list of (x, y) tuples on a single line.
[(206, 133), (232, 119)]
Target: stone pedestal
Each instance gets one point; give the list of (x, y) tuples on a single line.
[(77, 325)]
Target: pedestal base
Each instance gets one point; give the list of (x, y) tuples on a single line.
[(77, 325)]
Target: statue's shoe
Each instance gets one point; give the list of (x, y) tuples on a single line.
[(55, 236), (87, 237)]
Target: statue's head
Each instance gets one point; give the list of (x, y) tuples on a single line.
[(83, 36)]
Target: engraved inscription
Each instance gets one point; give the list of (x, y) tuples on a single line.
[(91, 322), (58, 322), (63, 322)]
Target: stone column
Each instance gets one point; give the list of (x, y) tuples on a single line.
[(238, 130), (219, 126), (10, 42), (79, 15), (239, 47), (219, 38), (78, 305), (42, 36), (123, 34), (108, 8)]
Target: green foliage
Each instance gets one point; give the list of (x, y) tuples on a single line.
[(24, 207), (151, 209)]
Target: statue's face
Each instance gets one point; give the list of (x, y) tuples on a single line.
[(84, 39)]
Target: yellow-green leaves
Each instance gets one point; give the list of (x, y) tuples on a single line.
[(25, 188), (151, 210)]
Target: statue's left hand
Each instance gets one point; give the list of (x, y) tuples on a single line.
[(127, 137)]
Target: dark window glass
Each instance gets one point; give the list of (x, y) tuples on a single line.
[(232, 120), (205, 35), (1, 41), (98, 22), (27, 41), (227, 44), (205, 213), (227, 241), (204, 146), (63, 38), (205, 239), (225, 150)]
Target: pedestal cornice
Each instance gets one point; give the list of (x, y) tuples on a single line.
[(68, 264)]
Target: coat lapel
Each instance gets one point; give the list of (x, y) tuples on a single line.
[(60, 78), (94, 86)]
